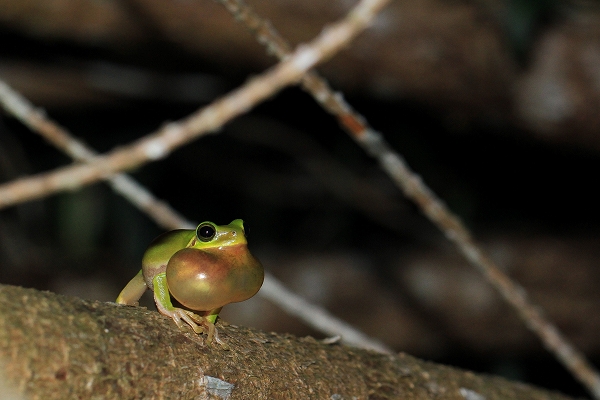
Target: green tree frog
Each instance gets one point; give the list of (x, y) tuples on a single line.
[(203, 269)]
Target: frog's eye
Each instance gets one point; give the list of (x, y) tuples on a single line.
[(206, 232)]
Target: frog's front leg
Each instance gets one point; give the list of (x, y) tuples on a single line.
[(165, 307)]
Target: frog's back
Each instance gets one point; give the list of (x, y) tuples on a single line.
[(162, 249)]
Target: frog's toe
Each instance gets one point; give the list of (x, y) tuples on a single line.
[(179, 314), (198, 323), (218, 340), (211, 331), (213, 334), (195, 317)]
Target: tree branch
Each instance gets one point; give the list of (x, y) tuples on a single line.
[(206, 120), (57, 347)]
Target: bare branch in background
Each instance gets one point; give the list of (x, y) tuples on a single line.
[(414, 188), (207, 120), (36, 120)]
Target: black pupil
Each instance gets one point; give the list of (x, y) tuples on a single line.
[(206, 232)]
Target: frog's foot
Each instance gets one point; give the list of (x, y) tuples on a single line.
[(209, 327), (179, 314), (198, 323)]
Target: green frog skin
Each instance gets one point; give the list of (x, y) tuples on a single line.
[(204, 269)]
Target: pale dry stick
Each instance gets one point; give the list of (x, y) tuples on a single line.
[(455, 231), (206, 120), (36, 120), (414, 188), (318, 317), (166, 217)]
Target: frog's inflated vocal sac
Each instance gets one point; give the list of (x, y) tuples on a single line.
[(203, 269)]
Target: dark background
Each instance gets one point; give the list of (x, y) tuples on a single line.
[(321, 214)]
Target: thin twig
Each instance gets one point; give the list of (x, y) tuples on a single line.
[(317, 317), (36, 120), (206, 120), (414, 188), (455, 231)]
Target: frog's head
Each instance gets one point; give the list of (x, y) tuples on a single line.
[(210, 235)]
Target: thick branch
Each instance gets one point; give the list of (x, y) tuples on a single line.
[(56, 347)]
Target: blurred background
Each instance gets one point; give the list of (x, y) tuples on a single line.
[(494, 103)]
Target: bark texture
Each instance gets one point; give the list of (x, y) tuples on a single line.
[(57, 347)]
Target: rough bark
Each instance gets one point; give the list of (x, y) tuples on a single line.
[(57, 347)]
